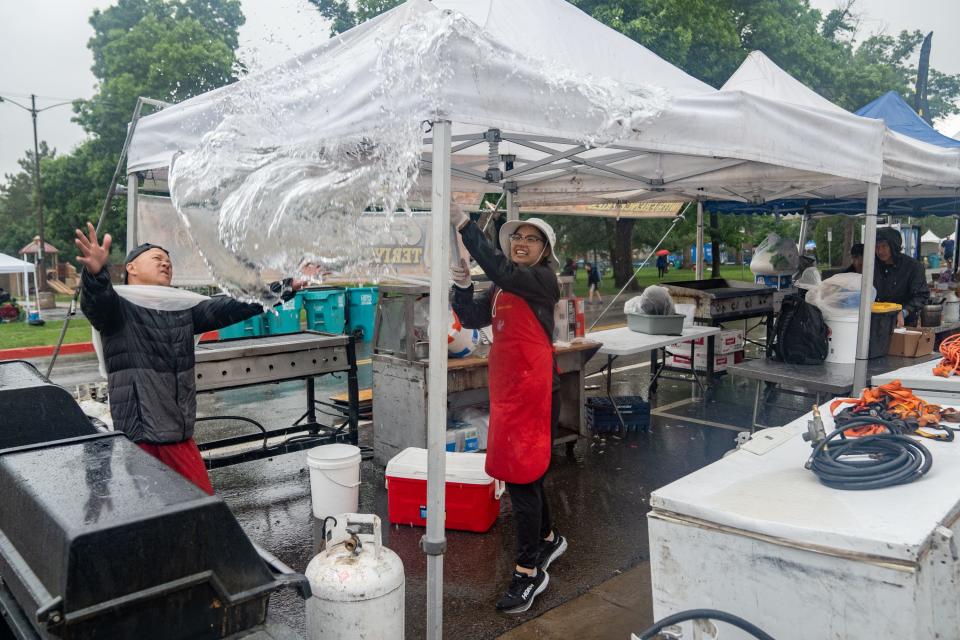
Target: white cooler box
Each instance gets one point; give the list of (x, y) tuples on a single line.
[(758, 536)]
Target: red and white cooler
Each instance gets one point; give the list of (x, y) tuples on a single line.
[(473, 497)]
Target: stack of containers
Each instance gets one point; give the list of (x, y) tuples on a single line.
[(727, 350), (282, 319)]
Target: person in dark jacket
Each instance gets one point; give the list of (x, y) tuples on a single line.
[(593, 282), (899, 278), (856, 259), (524, 385), (149, 354)]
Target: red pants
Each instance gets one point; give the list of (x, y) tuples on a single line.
[(184, 458)]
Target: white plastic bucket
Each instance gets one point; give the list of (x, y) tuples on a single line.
[(334, 479), (842, 341)]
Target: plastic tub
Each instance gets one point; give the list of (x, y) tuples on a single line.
[(934, 260), (249, 328), (668, 325), (326, 310), (842, 339), (362, 302), (334, 479), (284, 318)]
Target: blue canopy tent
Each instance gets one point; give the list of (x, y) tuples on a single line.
[(900, 117)]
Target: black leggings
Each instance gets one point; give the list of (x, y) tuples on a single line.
[(531, 510)]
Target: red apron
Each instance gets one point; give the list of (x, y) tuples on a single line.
[(521, 379)]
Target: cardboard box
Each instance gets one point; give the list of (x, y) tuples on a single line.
[(725, 342), (912, 343), (720, 362), (568, 320)]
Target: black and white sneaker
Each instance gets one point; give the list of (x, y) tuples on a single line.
[(522, 591), (550, 551)]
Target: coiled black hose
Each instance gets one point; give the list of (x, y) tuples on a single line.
[(870, 462), (710, 614)]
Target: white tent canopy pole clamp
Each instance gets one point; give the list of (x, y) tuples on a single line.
[(866, 291), (434, 542)]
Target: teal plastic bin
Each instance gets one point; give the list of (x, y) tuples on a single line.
[(249, 328), (934, 260), (326, 309), (363, 311), (285, 320)]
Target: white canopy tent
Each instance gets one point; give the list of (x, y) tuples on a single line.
[(911, 168), (555, 99), (9, 264)]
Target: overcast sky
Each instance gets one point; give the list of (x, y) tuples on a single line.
[(43, 51)]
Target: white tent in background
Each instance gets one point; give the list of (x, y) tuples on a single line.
[(9, 264), (536, 80), (911, 168), (930, 243)]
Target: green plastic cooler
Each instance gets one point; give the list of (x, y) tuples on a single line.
[(326, 309), (363, 311), (285, 320)]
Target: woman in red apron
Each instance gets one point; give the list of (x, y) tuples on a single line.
[(524, 386)]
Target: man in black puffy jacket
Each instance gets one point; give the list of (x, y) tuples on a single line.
[(149, 354)]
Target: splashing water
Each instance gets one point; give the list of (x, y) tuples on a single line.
[(300, 152)]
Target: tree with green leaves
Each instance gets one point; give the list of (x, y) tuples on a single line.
[(165, 49), (345, 15)]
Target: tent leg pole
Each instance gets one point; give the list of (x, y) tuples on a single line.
[(866, 288), (434, 542), (513, 207), (802, 240), (700, 256), (956, 245), (132, 201)]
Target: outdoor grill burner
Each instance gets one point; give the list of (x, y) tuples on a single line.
[(718, 301)]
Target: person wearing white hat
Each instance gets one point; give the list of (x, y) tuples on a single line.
[(524, 385)]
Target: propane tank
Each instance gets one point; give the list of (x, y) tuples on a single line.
[(357, 583)]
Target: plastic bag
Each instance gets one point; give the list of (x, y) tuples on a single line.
[(839, 296), (775, 256), (810, 279), (654, 301)]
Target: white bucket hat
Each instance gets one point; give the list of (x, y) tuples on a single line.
[(510, 227)]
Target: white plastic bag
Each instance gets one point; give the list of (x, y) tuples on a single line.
[(654, 301), (809, 279), (775, 256), (839, 296)]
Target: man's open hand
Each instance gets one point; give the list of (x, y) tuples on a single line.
[(93, 255)]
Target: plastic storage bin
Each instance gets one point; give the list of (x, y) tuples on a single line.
[(362, 303), (326, 310), (285, 320), (602, 418), (669, 325), (249, 328), (473, 497)]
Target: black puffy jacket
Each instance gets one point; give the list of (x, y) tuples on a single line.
[(149, 357)]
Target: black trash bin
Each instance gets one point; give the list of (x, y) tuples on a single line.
[(883, 321)]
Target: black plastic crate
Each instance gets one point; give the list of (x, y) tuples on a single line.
[(602, 417)]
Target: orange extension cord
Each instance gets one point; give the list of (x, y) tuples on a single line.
[(950, 350), (898, 400)]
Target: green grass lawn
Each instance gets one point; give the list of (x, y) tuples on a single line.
[(648, 276), (21, 334)]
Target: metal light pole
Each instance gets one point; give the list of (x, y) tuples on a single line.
[(830, 247), (38, 192)]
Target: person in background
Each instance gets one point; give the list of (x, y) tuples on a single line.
[(899, 278), (524, 383), (593, 282), (856, 259), (661, 266), (569, 268), (149, 353), (948, 246)]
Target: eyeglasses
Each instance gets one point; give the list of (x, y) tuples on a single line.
[(516, 237)]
